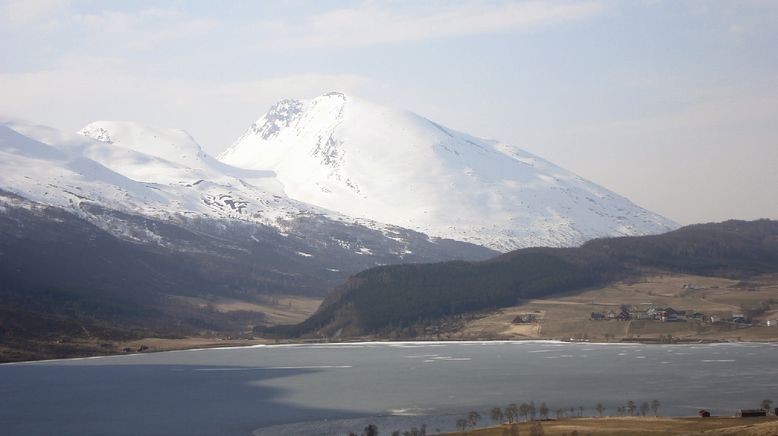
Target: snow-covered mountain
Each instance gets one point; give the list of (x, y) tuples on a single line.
[(135, 182), (138, 233), (152, 172), (370, 161)]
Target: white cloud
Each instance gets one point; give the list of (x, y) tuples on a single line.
[(141, 30), (38, 14), (375, 23)]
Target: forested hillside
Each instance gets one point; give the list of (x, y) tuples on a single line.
[(388, 298)]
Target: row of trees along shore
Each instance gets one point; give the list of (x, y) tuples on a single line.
[(514, 413)]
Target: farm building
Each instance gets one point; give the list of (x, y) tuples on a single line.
[(751, 413), (524, 318)]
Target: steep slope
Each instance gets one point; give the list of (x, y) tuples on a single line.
[(62, 277), (391, 298), (393, 166)]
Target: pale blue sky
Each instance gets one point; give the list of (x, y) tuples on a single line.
[(673, 104)]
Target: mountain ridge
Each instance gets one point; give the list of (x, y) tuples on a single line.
[(362, 159)]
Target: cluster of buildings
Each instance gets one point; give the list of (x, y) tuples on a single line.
[(664, 314)]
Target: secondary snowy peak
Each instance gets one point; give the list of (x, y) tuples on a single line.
[(393, 166), (69, 170), (173, 145)]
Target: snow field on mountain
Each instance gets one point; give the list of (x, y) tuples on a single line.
[(388, 165)]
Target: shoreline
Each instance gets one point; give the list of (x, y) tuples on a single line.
[(266, 343), (636, 425)]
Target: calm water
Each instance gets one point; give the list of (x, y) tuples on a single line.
[(330, 389)]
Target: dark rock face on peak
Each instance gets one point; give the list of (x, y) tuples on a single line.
[(282, 114)]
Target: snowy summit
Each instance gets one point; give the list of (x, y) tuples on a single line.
[(393, 166)]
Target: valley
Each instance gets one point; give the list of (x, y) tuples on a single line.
[(125, 232), (559, 317), (379, 217)]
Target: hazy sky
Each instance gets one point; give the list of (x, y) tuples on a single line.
[(673, 104)]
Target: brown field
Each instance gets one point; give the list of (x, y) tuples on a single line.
[(276, 310), (567, 317), (641, 426), (279, 310)]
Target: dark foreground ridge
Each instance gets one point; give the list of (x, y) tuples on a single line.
[(404, 298)]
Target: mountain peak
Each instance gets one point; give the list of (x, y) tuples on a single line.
[(389, 165), (336, 94), (287, 112), (174, 145)]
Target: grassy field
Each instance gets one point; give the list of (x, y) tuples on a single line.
[(637, 426), (277, 310), (281, 310), (568, 316)]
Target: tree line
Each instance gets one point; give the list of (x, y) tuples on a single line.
[(514, 413), (528, 412)]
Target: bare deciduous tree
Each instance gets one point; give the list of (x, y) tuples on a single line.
[(600, 408), (473, 417), (524, 410), (543, 410), (371, 430), (496, 415), (655, 406), (512, 413)]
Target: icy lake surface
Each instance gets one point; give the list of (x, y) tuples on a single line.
[(331, 389)]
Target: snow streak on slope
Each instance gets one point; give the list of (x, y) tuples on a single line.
[(393, 166)]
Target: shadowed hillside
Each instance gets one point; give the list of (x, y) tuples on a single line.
[(64, 278), (403, 297)]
